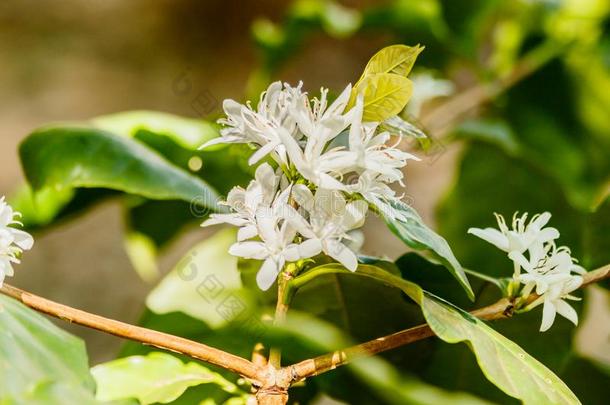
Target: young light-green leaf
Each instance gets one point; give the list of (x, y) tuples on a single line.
[(385, 95), (157, 377), (73, 157), (417, 235), (200, 282), (397, 59)]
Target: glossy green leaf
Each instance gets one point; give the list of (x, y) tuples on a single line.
[(502, 361), (64, 157), (40, 208), (415, 234), (157, 377), (385, 95), (33, 351), (397, 59), (187, 132)]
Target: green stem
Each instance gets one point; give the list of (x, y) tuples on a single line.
[(308, 276), (483, 277)]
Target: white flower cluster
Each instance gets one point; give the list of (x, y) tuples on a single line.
[(331, 166), (12, 241), (549, 270)]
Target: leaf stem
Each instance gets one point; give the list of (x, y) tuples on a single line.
[(484, 277)]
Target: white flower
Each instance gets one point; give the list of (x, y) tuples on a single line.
[(275, 248), (320, 125), (319, 121), (550, 271), (330, 217), (554, 302), (521, 237), (550, 274), (302, 209), (12, 241), (319, 168), (244, 203), (260, 127), (374, 190)]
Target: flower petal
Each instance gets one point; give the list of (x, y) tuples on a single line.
[(564, 309), (267, 274), (548, 315), (492, 236), (22, 239), (309, 248), (249, 250), (341, 253)]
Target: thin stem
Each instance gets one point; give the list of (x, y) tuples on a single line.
[(502, 309), (285, 292), (483, 277), (148, 337)]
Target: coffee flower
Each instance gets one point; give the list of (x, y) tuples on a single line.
[(329, 218), (12, 241), (331, 165), (244, 203), (550, 271), (521, 237)]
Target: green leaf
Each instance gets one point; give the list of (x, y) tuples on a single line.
[(502, 361), (157, 377), (51, 393), (415, 234), (33, 351), (202, 281), (397, 59), (385, 95), (187, 132), (62, 157), (40, 208)]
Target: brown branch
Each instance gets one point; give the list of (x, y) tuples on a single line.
[(502, 309), (148, 337)]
